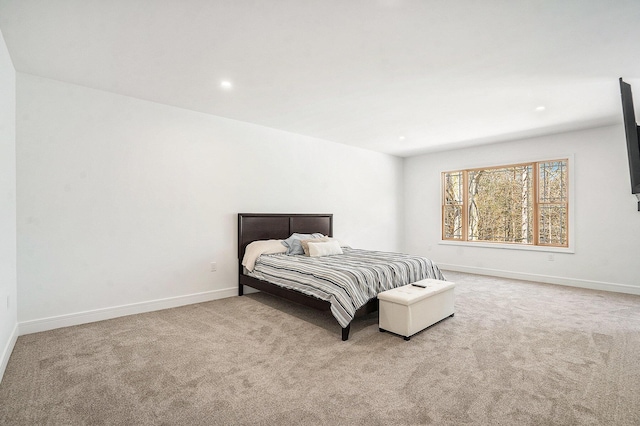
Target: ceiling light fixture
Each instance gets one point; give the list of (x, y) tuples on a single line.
[(225, 84), (540, 108)]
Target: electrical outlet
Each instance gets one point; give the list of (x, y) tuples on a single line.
[(214, 266), (551, 258)]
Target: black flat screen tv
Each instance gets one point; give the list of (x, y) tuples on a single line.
[(633, 138)]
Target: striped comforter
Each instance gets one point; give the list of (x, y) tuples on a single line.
[(348, 281)]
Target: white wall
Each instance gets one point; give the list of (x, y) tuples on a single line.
[(8, 283), (607, 223), (123, 201)]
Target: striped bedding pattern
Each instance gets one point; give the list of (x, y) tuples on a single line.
[(348, 281)]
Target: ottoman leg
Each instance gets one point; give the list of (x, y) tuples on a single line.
[(407, 338)]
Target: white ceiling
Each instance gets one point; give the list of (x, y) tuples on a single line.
[(395, 76)]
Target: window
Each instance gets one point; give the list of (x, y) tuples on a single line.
[(516, 204)]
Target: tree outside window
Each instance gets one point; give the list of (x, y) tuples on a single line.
[(517, 204)]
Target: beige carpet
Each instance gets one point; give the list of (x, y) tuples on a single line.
[(516, 353)]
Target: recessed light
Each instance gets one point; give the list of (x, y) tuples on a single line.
[(401, 138), (540, 108), (225, 84)]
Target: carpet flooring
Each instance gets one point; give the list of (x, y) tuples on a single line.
[(516, 353)]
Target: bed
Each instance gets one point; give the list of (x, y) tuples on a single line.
[(262, 227)]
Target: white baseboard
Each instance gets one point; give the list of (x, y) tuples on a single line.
[(51, 323), (6, 352), (571, 282)]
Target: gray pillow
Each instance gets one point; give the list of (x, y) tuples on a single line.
[(293, 244)]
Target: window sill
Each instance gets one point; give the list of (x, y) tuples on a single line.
[(508, 246)]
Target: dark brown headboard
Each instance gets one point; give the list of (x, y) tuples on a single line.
[(278, 226)]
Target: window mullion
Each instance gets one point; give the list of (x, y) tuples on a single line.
[(465, 205), (536, 206)]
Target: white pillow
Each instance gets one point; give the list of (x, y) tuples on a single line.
[(327, 248), (257, 248), (305, 243)]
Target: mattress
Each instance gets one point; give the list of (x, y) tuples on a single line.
[(349, 280)]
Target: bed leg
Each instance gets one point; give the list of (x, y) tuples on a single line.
[(240, 289), (345, 333)]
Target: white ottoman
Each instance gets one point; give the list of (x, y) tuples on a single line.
[(409, 309)]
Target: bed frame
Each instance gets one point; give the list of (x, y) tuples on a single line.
[(262, 226)]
